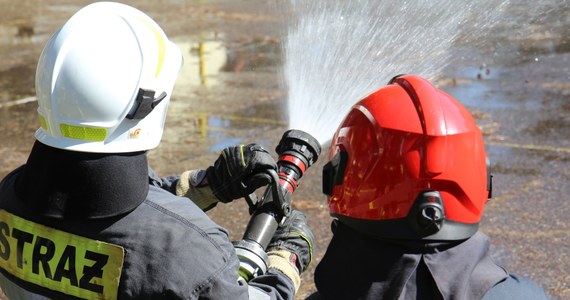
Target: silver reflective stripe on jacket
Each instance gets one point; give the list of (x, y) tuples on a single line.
[(256, 294)]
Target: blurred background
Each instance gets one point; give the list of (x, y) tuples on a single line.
[(513, 75)]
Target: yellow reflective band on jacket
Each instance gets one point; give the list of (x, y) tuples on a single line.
[(58, 260)]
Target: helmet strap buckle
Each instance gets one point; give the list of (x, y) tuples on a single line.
[(333, 172), (144, 104), (427, 215)]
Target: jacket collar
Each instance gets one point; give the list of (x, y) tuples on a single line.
[(58, 183)]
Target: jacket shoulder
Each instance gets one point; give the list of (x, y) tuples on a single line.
[(516, 287)]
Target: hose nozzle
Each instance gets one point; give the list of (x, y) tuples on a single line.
[(297, 151)]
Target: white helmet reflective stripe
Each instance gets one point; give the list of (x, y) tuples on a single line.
[(105, 62)]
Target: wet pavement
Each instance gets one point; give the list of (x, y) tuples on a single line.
[(517, 85)]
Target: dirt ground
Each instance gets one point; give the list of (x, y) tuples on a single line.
[(229, 92)]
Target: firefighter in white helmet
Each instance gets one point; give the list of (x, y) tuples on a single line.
[(86, 217)]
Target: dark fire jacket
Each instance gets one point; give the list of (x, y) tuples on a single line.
[(358, 267), (76, 225)]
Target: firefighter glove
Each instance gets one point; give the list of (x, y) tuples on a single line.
[(296, 237), (239, 171)]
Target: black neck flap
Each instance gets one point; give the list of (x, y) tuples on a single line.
[(359, 267), (66, 184)]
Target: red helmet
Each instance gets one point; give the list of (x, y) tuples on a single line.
[(408, 162)]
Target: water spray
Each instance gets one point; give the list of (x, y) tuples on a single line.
[(297, 151), (336, 52)]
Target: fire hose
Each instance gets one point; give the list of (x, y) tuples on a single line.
[(297, 151)]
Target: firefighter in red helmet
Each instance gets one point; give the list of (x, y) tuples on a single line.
[(407, 182)]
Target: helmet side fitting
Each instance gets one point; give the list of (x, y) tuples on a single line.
[(408, 162), (104, 81)]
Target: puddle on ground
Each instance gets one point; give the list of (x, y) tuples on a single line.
[(220, 129)]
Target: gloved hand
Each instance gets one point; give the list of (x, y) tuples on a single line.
[(295, 236), (239, 171)]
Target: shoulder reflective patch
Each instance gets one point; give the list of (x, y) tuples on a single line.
[(58, 260)]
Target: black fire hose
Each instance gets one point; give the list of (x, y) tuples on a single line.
[(297, 151)]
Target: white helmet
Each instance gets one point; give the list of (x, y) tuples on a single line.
[(104, 80)]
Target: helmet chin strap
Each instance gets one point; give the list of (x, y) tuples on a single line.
[(144, 104)]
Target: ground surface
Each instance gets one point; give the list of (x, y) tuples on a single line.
[(520, 98)]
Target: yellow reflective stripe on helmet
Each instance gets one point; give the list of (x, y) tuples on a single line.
[(58, 260), (161, 45), (83, 133), (43, 122)]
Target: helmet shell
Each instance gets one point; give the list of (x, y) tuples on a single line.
[(89, 75), (402, 140)]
